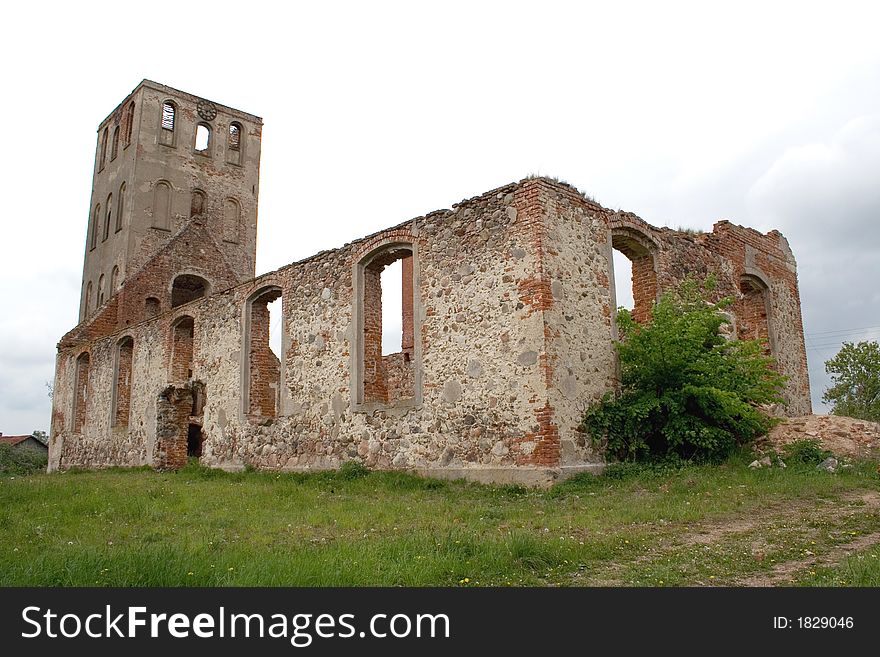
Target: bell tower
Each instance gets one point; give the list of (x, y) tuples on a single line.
[(166, 158)]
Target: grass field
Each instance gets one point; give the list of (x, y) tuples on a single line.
[(694, 526)]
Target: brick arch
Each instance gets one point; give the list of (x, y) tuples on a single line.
[(752, 310), (122, 380), (81, 390), (262, 371), (188, 286), (394, 378), (640, 249)]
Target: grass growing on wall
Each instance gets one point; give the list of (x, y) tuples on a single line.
[(707, 525)]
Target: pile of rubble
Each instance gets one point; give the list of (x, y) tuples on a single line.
[(844, 437)]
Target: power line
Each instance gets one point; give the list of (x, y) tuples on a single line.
[(842, 331)]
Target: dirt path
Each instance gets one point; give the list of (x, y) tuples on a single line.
[(781, 574)]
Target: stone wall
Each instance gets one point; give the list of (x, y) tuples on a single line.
[(508, 332)]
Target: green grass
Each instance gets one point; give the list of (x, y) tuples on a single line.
[(639, 526)]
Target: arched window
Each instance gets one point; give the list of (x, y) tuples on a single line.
[(103, 158), (386, 373), (752, 311), (114, 280), (162, 205), (96, 225), (114, 151), (120, 208), (169, 115), (186, 288), (197, 204), (80, 391), (233, 143), (129, 124), (108, 217), (87, 306), (121, 397), (635, 272), (231, 220), (264, 319), (182, 339), (203, 139), (100, 291)]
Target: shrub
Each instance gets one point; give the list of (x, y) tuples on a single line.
[(685, 390), (807, 451), (21, 461)]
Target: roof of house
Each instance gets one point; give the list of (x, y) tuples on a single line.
[(13, 440)]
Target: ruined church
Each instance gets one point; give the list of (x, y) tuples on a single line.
[(507, 311)]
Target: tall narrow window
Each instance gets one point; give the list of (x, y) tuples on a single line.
[(231, 220), (109, 216), (263, 333), (114, 150), (100, 291), (162, 205), (80, 392), (103, 158), (122, 382), (120, 207), (182, 338), (114, 280), (87, 306), (129, 124), (166, 133), (197, 203), (96, 225), (233, 144), (186, 288), (203, 139), (387, 371)]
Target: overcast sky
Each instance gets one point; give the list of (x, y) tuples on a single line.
[(766, 114)]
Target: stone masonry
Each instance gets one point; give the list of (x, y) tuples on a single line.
[(508, 327)]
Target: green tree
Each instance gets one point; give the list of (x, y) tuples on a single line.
[(855, 371), (685, 390)]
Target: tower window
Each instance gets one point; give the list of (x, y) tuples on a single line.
[(162, 206), (101, 291), (103, 159), (129, 124), (96, 225), (197, 204), (168, 116), (114, 151), (87, 305), (231, 220), (114, 279), (109, 217), (233, 144), (166, 134), (120, 208), (203, 138)]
